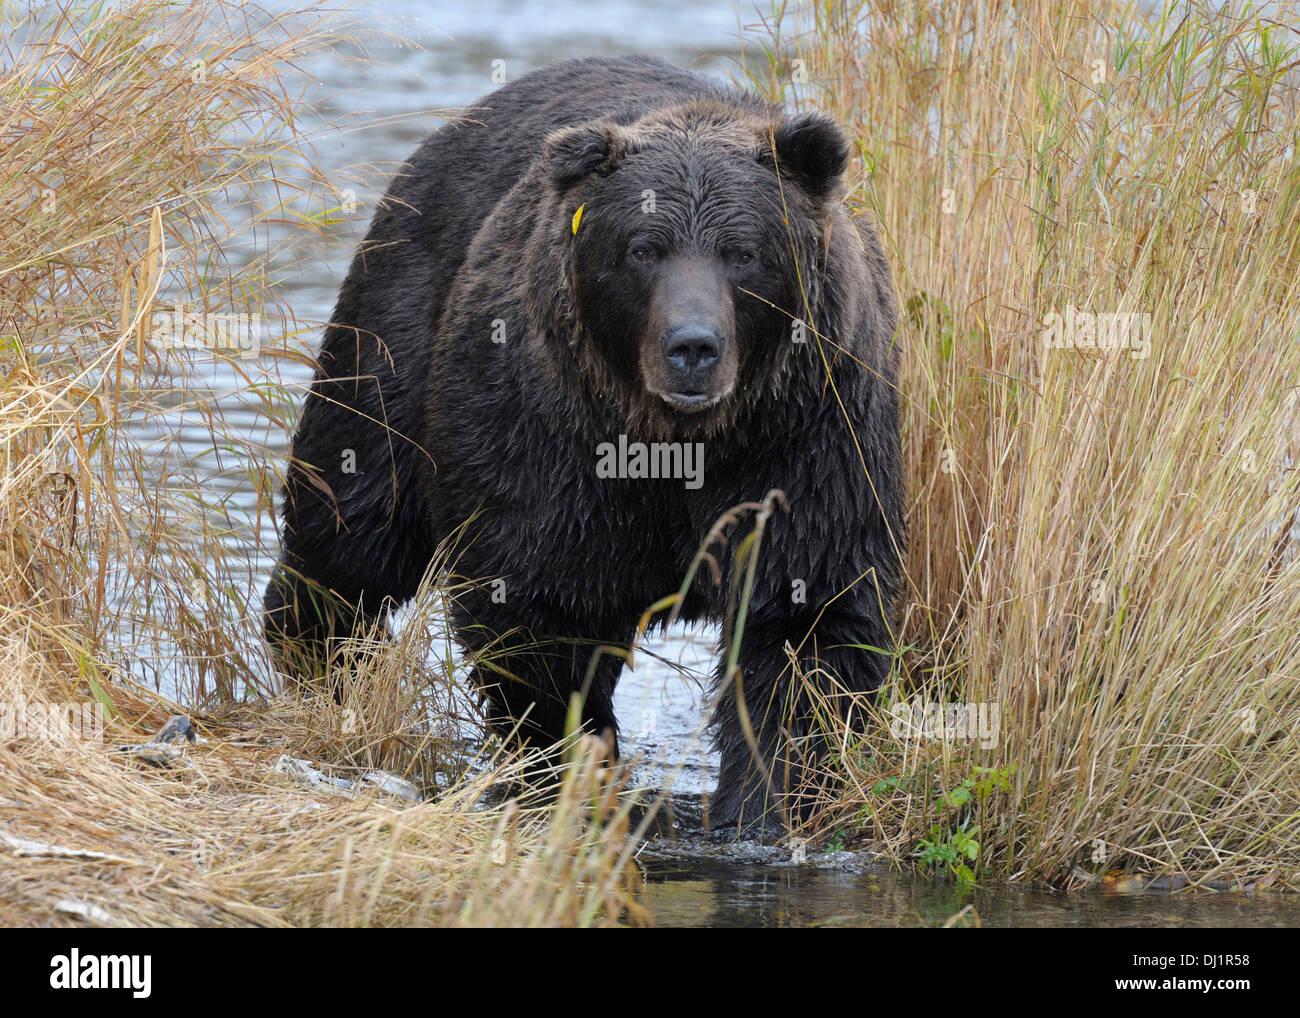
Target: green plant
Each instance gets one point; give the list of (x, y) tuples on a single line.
[(952, 851), (954, 848)]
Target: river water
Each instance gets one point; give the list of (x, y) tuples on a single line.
[(426, 60)]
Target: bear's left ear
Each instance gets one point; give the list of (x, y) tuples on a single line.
[(574, 153), (811, 149)]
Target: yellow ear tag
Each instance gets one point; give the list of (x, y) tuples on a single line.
[(577, 218)]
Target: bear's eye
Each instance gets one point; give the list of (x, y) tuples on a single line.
[(743, 257), (642, 253)]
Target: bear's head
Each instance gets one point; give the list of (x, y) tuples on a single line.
[(696, 241)]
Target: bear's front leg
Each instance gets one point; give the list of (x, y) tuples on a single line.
[(773, 728), (302, 620), (530, 665)]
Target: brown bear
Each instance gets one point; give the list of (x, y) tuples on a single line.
[(611, 302)]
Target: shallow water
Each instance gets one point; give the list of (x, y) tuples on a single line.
[(753, 886), (441, 59)]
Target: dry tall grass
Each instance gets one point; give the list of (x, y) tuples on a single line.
[(142, 145), (1102, 540)]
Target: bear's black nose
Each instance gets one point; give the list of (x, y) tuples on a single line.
[(692, 347)]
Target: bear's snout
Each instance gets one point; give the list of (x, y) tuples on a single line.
[(692, 349), (692, 319), (692, 353)]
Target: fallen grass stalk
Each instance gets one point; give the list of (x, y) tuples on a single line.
[(221, 837)]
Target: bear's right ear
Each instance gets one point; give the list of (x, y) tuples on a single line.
[(574, 153)]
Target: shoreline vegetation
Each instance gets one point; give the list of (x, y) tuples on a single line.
[(1097, 682), (1103, 535)]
